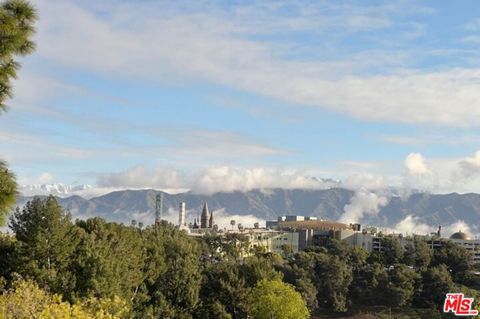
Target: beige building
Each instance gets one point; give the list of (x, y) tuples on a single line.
[(272, 240)]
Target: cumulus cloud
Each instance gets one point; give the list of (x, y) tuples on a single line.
[(362, 203), (229, 179), (411, 225), (415, 164), (211, 180), (419, 175)]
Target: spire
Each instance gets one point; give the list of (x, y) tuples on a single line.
[(195, 222), (205, 217), (210, 221)]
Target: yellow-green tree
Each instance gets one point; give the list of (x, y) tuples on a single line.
[(25, 300), (274, 299)]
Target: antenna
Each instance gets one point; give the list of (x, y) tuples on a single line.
[(159, 208)]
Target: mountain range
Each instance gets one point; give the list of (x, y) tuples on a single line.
[(430, 209)]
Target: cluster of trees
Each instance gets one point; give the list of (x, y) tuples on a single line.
[(340, 277), (51, 264), (56, 265)]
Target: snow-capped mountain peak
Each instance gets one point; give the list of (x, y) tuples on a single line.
[(57, 189)]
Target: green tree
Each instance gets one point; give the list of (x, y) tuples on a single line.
[(172, 290), (457, 259), (17, 20), (10, 260), (8, 191), (275, 299), (333, 277), (227, 246), (224, 291), (47, 241), (402, 285), (309, 292), (368, 287), (418, 254), (299, 272), (437, 282), (108, 261), (256, 268), (392, 250)]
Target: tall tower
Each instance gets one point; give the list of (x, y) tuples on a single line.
[(205, 217), (159, 208), (210, 221), (181, 215)]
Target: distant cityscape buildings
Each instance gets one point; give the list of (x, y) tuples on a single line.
[(292, 233)]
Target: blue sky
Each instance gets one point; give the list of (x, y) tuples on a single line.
[(217, 95)]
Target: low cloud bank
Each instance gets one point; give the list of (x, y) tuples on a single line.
[(419, 174), (413, 225)]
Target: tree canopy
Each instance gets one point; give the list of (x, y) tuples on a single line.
[(275, 299), (161, 272)]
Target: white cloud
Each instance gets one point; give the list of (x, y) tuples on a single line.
[(228, 179), (200, 44), (210, 180), (419, 176), (362, 203), (416, 165), (222, 218), (413, 225), (440, 175)]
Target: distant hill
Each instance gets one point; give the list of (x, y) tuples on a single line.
[(123, 206)]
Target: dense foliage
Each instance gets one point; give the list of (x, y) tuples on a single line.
[(51, 264)]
